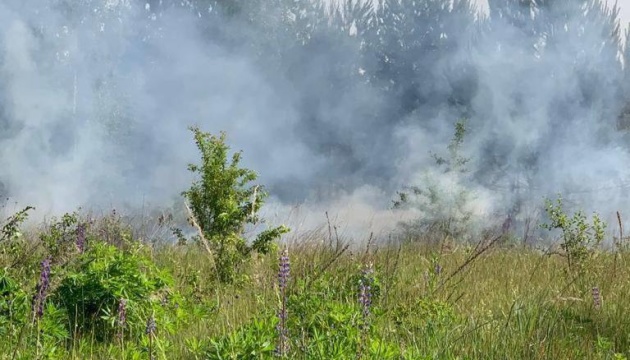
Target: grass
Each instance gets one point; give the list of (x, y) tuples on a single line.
[(506, 303)]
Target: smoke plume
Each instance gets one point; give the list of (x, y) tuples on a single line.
[(334, 109)]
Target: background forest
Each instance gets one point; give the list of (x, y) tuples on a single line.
[(324, 99)]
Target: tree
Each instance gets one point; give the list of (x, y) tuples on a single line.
[(413, 46), (561, 57), (222, 203)]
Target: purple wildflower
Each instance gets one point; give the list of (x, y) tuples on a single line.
[(151, 326), (42, 288), (122, 316), (438, 269), (365, 300), (283, 277), (597, 298), (365, 290), (285, 269), (81, 237), (150, 330)]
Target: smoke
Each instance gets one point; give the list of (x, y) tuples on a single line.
[(96, 100)]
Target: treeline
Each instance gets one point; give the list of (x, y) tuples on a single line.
[(363, 69), (529, 76)]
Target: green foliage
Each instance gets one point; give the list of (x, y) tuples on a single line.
[(60, 237), (428, 316), (14, 305), (373, 280), (579, 237), (321, 321), (455, 162), (442, 201), (11, 238), (254, 341), (605, 349), (11, 228), (513, 304), (324, 323), (16, 320), (93, 286), (223, 203)]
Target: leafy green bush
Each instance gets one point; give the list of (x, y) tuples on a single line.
[(223, 203), (94, 285), (60, 239), (579, 238)]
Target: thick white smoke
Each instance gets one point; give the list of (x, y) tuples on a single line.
[(96, 98)]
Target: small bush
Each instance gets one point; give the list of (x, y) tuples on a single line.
[(443, 202), (579, 238), (60, 239)]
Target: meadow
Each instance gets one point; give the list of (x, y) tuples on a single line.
[(100, 286), (448, 301)]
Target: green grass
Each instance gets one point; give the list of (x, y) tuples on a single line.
[(506, 303)]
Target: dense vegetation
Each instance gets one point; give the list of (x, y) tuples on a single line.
[(110, 293)]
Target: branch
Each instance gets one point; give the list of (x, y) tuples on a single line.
[(204, 241)]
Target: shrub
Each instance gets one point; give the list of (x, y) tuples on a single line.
[(223, 203), (93, 287), (443, 202), (60, 239), (11, 239), (579, 238)]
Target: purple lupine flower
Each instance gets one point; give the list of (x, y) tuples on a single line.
[(365, 290), (365, 300), (150, 330), (80, 237), (438, 269), (122, 317), (284, 271), (597, 298), (151, 326), (42, 287)]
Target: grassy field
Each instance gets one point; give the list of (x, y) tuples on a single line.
[(487, 300)]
